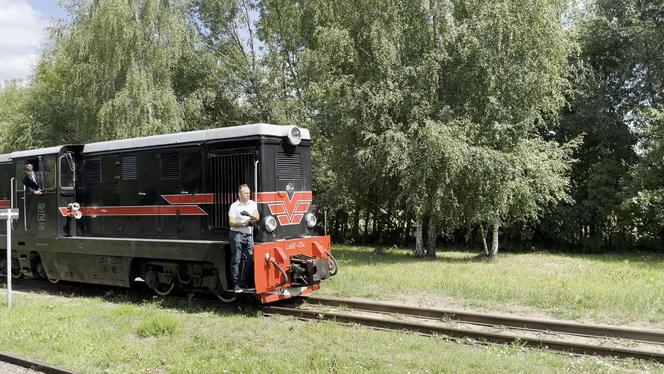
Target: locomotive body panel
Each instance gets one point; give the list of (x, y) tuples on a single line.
[(155, 209)]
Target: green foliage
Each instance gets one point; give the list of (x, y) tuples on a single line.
[(616, 98), (17, 127), (459, 113)]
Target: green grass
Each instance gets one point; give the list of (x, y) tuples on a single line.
[(157, 325), (93, 335), (604, 288)]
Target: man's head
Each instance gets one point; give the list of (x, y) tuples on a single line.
[(244, 193), (27, 169)]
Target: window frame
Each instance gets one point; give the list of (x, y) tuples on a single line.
[(60, 158)]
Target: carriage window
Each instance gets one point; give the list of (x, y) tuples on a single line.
[(170, 166), (67, 171), (128, 165)]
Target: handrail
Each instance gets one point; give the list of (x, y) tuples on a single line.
[(256, 162), (11, 192), (25, 209), (11, 199)]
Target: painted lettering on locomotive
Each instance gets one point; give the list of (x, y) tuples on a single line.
[(155, 209)]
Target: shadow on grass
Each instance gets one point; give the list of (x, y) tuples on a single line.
[(352, 256), (364, 256), (187, 303), (644, 259)]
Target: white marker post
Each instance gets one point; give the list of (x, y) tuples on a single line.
[(9, 215)]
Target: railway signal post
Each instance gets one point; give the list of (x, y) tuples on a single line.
[(9, 215)]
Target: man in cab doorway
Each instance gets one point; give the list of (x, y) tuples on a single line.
[(30, 182)]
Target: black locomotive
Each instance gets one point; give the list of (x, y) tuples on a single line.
[(155, 209)]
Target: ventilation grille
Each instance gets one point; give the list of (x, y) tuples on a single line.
[(227, 173), (129, 172), (288, 166), (170, 166), (93, 171)]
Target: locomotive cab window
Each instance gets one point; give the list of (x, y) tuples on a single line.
[(67, 167), (43, 168), (47, 172)]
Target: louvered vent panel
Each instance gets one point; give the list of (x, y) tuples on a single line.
[(129, 172), (93, 171), (170, 166), (227, 173), (288, 166)]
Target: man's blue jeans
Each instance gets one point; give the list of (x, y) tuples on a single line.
[(242, 249)]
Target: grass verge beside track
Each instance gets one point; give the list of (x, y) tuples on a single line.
[(115, 334), (615, 289)]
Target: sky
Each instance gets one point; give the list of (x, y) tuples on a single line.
[(23, 32)]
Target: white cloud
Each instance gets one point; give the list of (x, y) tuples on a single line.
[(22, 32)]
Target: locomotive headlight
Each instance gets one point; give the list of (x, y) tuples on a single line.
[(270, 223), (311, 220), (294, 135)]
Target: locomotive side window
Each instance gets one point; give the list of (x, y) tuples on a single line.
[(47, 172), (44, 169), (67, 171)]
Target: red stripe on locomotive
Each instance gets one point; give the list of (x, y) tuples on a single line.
[(145, 210), (285, 208), (203, 198)]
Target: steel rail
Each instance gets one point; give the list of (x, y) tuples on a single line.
[(33, 365), (649, 336), (494, 337), (429, 328)]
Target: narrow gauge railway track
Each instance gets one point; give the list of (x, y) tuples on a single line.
[(33, 365), (427, 321), (377, 315), (575, 328)]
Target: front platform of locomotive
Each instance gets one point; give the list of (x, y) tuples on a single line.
[(291, 256)]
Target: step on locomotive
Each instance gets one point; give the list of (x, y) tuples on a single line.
[(155, 210)]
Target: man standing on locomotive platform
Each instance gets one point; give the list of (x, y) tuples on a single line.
[(242, 215)]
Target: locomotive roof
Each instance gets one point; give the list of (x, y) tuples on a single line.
[(5, 158), (194, 136), (36, 152)]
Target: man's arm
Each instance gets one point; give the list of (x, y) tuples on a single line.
[(235, 223), (254, 215), (31, 186)]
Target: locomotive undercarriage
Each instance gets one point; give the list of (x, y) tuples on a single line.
[(16, 271), (283, 269), (165, 277)]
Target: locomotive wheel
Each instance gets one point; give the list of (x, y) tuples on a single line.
[(17, 273), (231, 296), (184, 272), (332, 266), (163, 289), (53, 280), (41, 272)]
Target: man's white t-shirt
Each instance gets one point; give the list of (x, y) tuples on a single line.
[(234, 212)]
